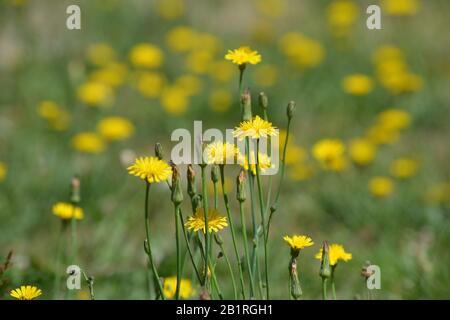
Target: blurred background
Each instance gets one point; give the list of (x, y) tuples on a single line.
[(89, 101)]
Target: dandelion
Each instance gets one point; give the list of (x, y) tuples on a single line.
[(255, 129), (101, 54), (330, 153), (357, 84), (67, 211), (146, 55), (113, 74), (151, 169), (264, 162), (243, 55), (342, 15), (400, 7), (170, 284), (174, 100), (115, 128), (220, 153), (381, 134), (302, 51), (404, 168), (150, 84), (199, 60), (298, 242), (191, 84), (221, 71), (96, 94), (88, 142), (394, 119), (3, 171), (301, 172), (26, 292), (362, 151), (170, 9), (57, 117), (336, 253), (180, 39), (381, 186), (216, 222)]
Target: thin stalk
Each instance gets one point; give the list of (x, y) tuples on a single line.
[(216, 195), (148, 247), (333, 288), (214, 281), (177, 239), (263, 222), (188, 245), (205, 211), (59, 254), (324, 288), (73, 229), (247, 254), (229, 268), (233, 234)]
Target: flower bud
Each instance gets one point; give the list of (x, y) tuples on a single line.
[(296, 290), (290, 109), (263, 101), (192, 188), (75, 197), (159, 151), (241, 195), (246, 105), (325, 271), (214, 174), (177, 192)]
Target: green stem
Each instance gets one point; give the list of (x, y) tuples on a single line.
[(263, 222), (233, 234), (205, 211), (247, 255), (214, 281), (59, 252), (216, 195), (233, 281), (333, 288), (148, 247), (188, 245), (324, 288), (177, 239)]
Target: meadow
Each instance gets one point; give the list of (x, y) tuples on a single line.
[(366, 163)]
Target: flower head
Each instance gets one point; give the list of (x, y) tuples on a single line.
[(67, 211), (336, 253), (146, 55), (362, 151), (151, 169), (216, 222), (264, 162), (115, 128), (357, 84), (298, 242), (170, 286), (381, 186), (88, 142), (96, 94), (26, 293), (3, 170), (330, 153), (220, 153), (243, 55), (404, 168), (255, 129)]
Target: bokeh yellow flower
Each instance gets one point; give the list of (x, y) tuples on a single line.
[(3, 171), (362, 151), (298, 242), (146, 55), (199, 61), (243, 55), (191, 84), (57, 117), (66, 211), (394, 119), (150, 84), (151, 169), (220, 153), (301, 172), (404, 168), (336, 253), (381, 186), (115, 128), (170, 9), (113, 74), (342, 15), (264, 162), (357, 84), (295, 154), (380, 134), (101, 54), (220, 100), (301, 51), (255, 129), (26, 293), (174, 100), (216, 222), (221, 71), (265, 75), (96, 94), (330, 153), (400, 7), (170, 287), (181, 38), (88, 142)]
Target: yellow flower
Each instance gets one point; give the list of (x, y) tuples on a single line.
[(216, 222), (380, 134), (101, 54), (342, 15), (336, 253), (3, 170), (400, 7), (220, 100), (357, 84), (199, 61), (295, 154), (146, 55), (57, 117), (174, 100), (243, 55), (394, 119), (327, 150), (26, 293), (170, 9), (192, 85), (150, 84), (255, 129), (266, 75), (221, 71), (301, 172), (404, 168), (96, 94), (115, 128), (151, 169), (170, 288), (301, 51), (387, 53), (181, 39), (113, 74), (220, 153), (66, 211), (298, 242), (381, 186), (88, 142), (362, 151), (264, 162)]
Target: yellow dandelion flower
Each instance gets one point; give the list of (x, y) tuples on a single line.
[(180, 39), (101, 54), (404, 168), (221, 71), (26, 293), (96, 94), (381, 187), (295, 154), (67, 211), (3, 170), (115, 128), (336, 253), (400, 7), (220, 100), (146, 55), (301, 172), (328, 149), (170, 287), (150, 84), (243, 55), (220, 153), (256, 128), (113, 74), (56, 116), (382, 134), (174, 100), (216, 222), (301, 51), (199, 60), (264, 162), (151, 169), (394, 119), (357, 84), (362, 151), (170, 9), (342, 15), (298, 242), (88, 142)]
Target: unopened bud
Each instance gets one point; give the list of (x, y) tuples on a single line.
[(263, 101), (325, 271), (215, 174), (241, 195), (290, 109), (177, 192), (246, 105), (296, 290), (75, 197), (192, 188), (159, 151)]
